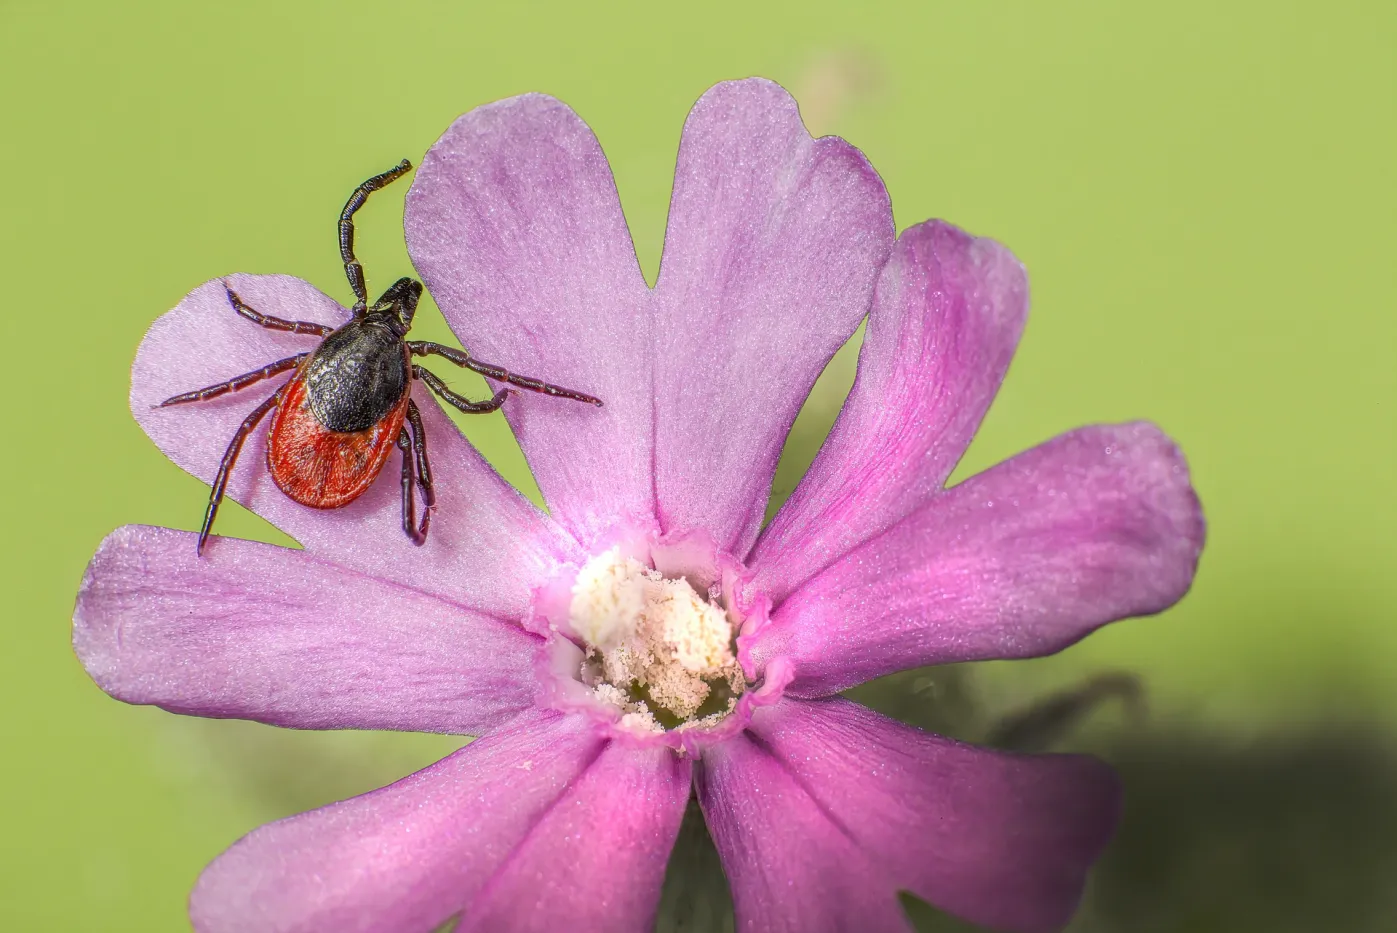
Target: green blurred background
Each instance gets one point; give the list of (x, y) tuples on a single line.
[(1203, 194)]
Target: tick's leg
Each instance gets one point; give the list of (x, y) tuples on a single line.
[(415, 534), (225, 468), (236, 383), (275, 323), (352, 269), (424, 467), (458, 401), (498, 373)]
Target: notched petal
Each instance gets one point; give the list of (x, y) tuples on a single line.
[(773, 245), (403, 858), (488, 546), (515, 225), (254, 631), (947, 315), (595, 861), (998, 839), (1022, 560)]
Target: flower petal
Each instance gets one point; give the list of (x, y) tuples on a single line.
[(947, 315), (791, 868), (488, 545), (402, 859), (1022, 560), (253, 631), (595, 861), (773, 245), (514, 223), (998, 839)]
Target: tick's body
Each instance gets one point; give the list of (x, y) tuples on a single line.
[(340, 416), (349, 402)]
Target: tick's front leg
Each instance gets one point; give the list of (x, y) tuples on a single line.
[(237, 383), (498, 373)]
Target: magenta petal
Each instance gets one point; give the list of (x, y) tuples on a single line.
[(252, 631), (514, 224), (402, 859), (1022, 560), (595, 861), (947, 315), (1002, 840), (488, 545), (773, 246), (790, 867)]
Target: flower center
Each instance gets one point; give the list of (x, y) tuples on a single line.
[(647, 640), (656, 649)]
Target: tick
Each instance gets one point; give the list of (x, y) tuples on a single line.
[(349, 401)]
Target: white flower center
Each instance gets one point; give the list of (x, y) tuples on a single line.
[(656, 649)]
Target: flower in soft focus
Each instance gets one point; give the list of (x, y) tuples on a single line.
[(647, 636)]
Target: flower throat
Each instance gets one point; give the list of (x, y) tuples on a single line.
[(655, 648)]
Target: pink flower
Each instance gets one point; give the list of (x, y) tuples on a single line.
[(650, 595)]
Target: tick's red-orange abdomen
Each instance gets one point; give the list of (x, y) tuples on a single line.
[(321, 468)]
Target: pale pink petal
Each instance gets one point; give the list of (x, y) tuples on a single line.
[(595, 861), (1022, 560), (947, 314), (790, 867), (1001, 840), (488, 545), (773, 246), (514, 224), (253, 631), (403, 859)]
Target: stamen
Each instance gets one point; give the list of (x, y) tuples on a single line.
[(656, 649), (607, 599)]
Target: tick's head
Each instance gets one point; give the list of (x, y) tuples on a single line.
[(398, 304)]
